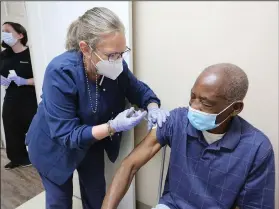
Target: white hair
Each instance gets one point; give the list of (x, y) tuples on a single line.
[(91, 26)]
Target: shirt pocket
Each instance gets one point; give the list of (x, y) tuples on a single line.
[(24, 69)]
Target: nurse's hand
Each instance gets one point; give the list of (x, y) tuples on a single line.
[(19, 80), (156, 115), (127, 120)]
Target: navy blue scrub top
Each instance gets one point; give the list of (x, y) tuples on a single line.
[(61, 131), (238, 169)]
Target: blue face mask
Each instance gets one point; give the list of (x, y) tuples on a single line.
[(9, 39), (203, 121)]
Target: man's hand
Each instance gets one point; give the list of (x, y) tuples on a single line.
[(131, 164)]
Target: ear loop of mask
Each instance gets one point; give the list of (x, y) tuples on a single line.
[(96, 69), (91, 56), (91, 59), (98, 56), (231, 114)]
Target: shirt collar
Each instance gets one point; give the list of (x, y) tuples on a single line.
[(230, 139), (191, 131), (80, 58)]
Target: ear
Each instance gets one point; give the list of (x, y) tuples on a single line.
[(20, 36), (237, 108), (85, 49)]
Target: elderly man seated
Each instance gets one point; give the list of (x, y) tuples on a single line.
[(218, 159)]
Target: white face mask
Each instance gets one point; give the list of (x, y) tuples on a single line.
[(109, 69), (9, 39)]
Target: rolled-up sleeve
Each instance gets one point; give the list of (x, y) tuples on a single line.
[(259, 189), (165, 133), (60, 103), (137, 92)]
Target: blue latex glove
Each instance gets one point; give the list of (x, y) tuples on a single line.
[(156, 115), (19, 80), (5, 81), (127, 120)]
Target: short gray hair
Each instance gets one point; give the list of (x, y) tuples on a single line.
[(235, 81), (91, 26)]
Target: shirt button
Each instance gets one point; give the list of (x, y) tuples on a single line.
[(104, 89), (118, 134), (112, 113)]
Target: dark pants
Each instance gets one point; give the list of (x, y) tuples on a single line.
[(92, 187), (17, 116)]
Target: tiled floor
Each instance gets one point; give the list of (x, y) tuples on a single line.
[(38, 202), (22, 189), (18, 185)]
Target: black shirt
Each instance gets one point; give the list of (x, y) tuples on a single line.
[(21, 64)]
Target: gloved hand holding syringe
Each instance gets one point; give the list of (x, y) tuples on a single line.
[(135, 113)]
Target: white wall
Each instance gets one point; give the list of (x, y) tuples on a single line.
[(175, 41), (51, 19), (47, 26)]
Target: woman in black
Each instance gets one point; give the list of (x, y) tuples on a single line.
[(20, 103)]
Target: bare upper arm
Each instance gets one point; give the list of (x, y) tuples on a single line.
[(144, 151)]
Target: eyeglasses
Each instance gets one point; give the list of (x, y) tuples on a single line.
[(117, 55)]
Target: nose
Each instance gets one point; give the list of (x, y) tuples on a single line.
[(195, 104)]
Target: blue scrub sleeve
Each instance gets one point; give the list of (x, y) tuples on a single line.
[(137, 92), (60, 103)]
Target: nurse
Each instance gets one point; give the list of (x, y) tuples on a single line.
[(82, 112), (20, 102)]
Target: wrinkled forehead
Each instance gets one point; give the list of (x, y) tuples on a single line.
[(210, 85)]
